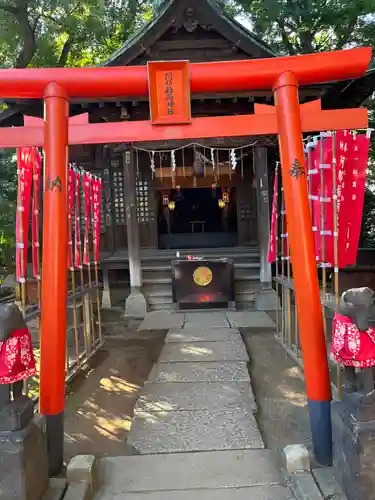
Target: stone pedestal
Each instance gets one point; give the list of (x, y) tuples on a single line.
[(16, 416), (135, 306), (24, 462), (353, 429)]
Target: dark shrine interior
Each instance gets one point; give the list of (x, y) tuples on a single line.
[(197, 210)]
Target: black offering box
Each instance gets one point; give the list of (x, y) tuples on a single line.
[(201, 283)]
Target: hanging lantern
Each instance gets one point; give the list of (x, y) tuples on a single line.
[(165, 199), (221, 203), (171, 205), (226, 196)]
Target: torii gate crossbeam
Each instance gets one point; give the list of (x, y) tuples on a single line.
[(284, 75), (263, 122)]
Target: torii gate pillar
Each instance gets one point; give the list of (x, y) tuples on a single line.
[(303, 261)]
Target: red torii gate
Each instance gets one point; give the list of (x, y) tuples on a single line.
[(287, 119)]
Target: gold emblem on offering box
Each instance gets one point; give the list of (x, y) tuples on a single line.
[(202, 276)]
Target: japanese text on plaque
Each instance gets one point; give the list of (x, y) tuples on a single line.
[(169, 97)]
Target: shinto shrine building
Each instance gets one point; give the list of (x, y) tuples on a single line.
[(204, 197)]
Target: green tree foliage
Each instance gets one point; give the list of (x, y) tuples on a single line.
[(8, 198), (59, 33), (65, 32), (303, 26)]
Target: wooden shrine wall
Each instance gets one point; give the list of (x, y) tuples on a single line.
[(109, 166)]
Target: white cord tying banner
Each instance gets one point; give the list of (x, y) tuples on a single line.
[(173, 160), (233, 159), (152, 161)]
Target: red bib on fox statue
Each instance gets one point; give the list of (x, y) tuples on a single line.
[(16, 357), (16, 352), (353, 340), (351, 346)]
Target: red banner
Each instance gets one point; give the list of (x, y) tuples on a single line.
[(272, 248), (356, 180), (71, 193), (96, 206), (351, 164), (35, 220), (87, 207), (25, 178), (77, 227), (314, 195)]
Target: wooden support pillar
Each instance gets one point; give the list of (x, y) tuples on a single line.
[(135, 305), (106, 294), (263, 214)]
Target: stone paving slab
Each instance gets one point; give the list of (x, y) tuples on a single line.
[(202, 430), (162, 320), (227, 371), (252, 493), (182, 471), (206, 320), (203, 352), (195, 396), (249, 319), (203, 335)]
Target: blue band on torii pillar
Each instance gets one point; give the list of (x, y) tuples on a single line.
[(321, 431)]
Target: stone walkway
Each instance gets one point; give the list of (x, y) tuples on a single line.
[(194, 431)]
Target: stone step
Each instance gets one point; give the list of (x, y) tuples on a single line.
[(250, 319), (243, 287), (159, 280), (159, 299), (188, 471), (154, 274), (206, 320), (218, 251), (202, 334), (235, 371), (182, 396), (201, 430), (248, 298), (156, 289), (203, 352), (246, 305), (160, 267), (251, 493), (246, 265), (167, 266), (163, 306), (162, 320), (240, 275)]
